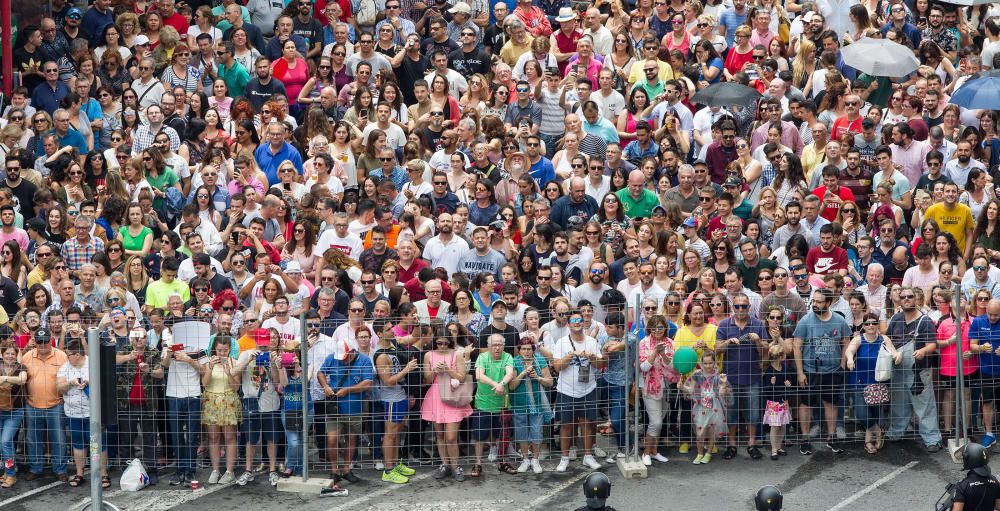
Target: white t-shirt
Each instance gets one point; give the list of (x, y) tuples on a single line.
[(182, 380), (76, 404), (569, 383), (445, 256), (290, 331), (350, 245), (394, 136)]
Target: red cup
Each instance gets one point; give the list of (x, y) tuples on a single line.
[(194, 486)]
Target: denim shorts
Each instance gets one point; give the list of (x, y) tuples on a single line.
[(528, 427), (485, 424), (569, 409), (79, 434), (261, 424), (746, 404)]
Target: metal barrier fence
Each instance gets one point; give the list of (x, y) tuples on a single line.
[(190, 419)]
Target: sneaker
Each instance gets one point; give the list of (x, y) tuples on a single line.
[(988, 440), (814, 431), (647, 460), (706, 458), (715, 449), (458, 474), (351, 478), (442, 472), (841, 434), (833, 448), (610, 459), (573, 454), (591, 462), (177, 479), (334, 491), (684, 448), (403, 469), (379, 465), (394, 477), (697, 460), (188, 477), (600, 453), (563, 464), (245, 478), (730, 453), (661, 458), (493, 453), (227, 478), (933, 448), (536, 466), (524, 466), (214, 478), (272, 478), (805, 448)]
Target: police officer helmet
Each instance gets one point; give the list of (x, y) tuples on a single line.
[(976, 458), (768, 498), (597, 489)]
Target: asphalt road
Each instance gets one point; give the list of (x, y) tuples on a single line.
[(902, 476)]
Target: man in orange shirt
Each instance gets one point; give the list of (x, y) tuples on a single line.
[(45, 406), (383, 217)]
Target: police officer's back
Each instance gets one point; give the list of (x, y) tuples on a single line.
[(596, 489), (979, 491)]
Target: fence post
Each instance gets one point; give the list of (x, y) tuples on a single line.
[(631, 466), (956, 446), (304, 358)]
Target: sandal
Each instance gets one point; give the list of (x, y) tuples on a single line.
[(507, 468), (105, 482), (75, 481), (871, 448), (287, 473), (477, 470), (881, 442)]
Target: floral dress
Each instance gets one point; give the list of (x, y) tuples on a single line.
[(708, 406)]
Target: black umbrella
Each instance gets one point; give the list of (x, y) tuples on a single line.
[(725, 94)]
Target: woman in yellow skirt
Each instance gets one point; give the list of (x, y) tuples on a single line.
[(221, 409)]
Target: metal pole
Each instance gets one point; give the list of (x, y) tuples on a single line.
[(635, 456), (959, 379), (304, 358), (94, 359)]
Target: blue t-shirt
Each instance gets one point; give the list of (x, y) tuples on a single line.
[(821, 342), (358, 371), (983, 331), (542, 171), (292, 400), (742, 362), (732, 21)]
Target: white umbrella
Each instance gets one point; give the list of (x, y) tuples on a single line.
[(880, 57), (968, 2)]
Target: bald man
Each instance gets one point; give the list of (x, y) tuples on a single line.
[(577, 203), (637, 200)]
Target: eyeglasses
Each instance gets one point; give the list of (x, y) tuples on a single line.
[(238, 263), (851, 103), (982, 298), (201, 290), (440, 183), (765, 277), (979, 268), (907, 297), (705, 199), (544, 278), (801, 277), (741, 306), (114, 249), (780, 275), (340, 53), (353, 309), (776, 318), (532, 144)]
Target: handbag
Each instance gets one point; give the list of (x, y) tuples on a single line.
[(784, 29), (876, 394), (455, 395), (883, 364)]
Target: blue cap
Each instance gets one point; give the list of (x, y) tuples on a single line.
[(74, 11)]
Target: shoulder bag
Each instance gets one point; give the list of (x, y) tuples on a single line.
[(454, 393)]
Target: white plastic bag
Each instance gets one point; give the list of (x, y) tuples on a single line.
[(134, 478), (883, 365)]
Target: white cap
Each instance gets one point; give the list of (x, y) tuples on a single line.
[(293, 267), (141, 39), (461, 8)]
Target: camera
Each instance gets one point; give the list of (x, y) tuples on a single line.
[(263, 359)]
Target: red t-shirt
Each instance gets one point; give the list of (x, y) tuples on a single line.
[(830, 212), (842, 124), (824, 263), (178, 22)]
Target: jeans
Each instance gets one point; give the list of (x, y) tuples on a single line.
[(903, 403), (131, 421), (551, 141), (866, 415), (185, 411), (616, 409), (42, 421), (293, 438), (10, 422)]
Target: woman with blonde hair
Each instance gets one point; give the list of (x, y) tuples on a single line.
[(478, 94), (803, 65), (128, 22)]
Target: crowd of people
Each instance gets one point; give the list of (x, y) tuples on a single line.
[(500, 222)]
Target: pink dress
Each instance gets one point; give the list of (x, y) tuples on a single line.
[(434, 410)]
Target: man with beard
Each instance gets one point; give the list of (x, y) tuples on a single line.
[(908, 153), (593, 288), (470, 58), (722, 152), (22, 189), (953, 217), (752, 263), (647, 288), (498, 326), (262, 86), (482, 258), (941, 35), (793, 213), (912, 391), (442, 199), (826, 258), (958, 168), (858, 179), (819, 340), (445, 250), (576, 203)]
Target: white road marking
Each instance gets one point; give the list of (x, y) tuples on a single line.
[(168, 499), (377, 493), (555, 491), (30, 493), (872, 487)]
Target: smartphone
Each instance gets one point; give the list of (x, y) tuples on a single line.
[(287, 186), (581, 70), (235, 236), (363, 113), (176, 347)]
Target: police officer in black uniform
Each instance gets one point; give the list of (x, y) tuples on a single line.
[(979, 491), (768, 498), (596, 489)]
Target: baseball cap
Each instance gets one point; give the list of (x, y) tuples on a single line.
[(460, 8), (74, 12), (690, 222), (43, 335), (498, 303), (293, 267), (732, 181), (141, 39)]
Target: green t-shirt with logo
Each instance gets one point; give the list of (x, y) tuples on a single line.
[(486, 399)]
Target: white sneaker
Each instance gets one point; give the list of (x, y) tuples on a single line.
[(661, 458), (563, 464), (272, 478), (536, 466), (245, 478), (600, 453), (214, 478), (610, 458), (572, 453), (523, 467), (841, 434), (512, 451), (379, 465), (493, 453), (591, 462), (227, 478), (814, 431), (646, 460)]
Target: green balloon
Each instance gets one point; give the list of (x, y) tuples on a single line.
[(685, 359)]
